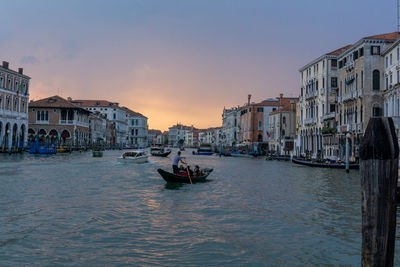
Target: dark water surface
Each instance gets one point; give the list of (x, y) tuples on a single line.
[(73, 209)]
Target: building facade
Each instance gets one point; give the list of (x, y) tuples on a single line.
[(391, 90), (361, 85), (229, 127), (58, 121), (114, 113), (152, 137), (282, 129), (317, 105), (137, 129), (14, 102)]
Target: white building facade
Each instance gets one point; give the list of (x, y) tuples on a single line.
[(137, 129), (14, 101)]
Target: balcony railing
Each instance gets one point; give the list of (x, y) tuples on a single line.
[(311, 94), (328, 116), (69, 122), (309, 121)]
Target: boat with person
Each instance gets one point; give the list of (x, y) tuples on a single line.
[(183, 177), (135, 156), (336, 165), (161, 153)]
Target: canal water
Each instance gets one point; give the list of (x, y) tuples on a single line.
[(74, 209)]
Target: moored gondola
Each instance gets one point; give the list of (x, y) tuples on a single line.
[(325, 165), (174, 178), (160, 154)]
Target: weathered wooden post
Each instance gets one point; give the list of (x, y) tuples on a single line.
[(379, 154)]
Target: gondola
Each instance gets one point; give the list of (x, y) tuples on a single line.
[(174, 178), (325, 165), (202, 153), (160, 154)]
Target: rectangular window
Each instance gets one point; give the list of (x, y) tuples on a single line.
[(375, 50), (362, 79), (361, 51), (260, 125), (340, 64), (397, 53), (376, 112), (260, 109), (334, 82), (390, 59), (114, 116), (38, 115), (397, 76), (333, 63), (355, 55)]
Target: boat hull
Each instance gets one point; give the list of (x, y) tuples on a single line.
[(159, 154), (97, 154), (173, 178), (324, 165), (237, 155), (136, 160)]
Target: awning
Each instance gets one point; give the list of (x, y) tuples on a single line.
[(349, 81)]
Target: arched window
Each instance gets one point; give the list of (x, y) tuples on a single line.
[(375, 80), (284, 120)]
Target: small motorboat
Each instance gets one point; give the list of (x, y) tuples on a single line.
[(136, 156), (182, 177), (161, 153), (326, 165)]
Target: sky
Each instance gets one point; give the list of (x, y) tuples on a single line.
[(179, 60)]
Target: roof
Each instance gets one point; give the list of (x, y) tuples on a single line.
[(392, 36), (54, 102), (284, 101), (339, 51), (95, 103), (182, 127), (153, 131), (133, 113), (285, 108)]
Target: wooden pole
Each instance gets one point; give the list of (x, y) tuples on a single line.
[(379, 154)]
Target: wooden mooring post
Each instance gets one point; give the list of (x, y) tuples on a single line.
[(379, 157)]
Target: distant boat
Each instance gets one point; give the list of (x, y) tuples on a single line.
[(174, 178), (325, 165), (136, 156), (41, 148), (204, 150), (160, 153)]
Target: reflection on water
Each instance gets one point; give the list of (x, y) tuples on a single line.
[(72, 209)]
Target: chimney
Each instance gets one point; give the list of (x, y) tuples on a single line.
[(248, 99), (20, 70), (5, 64)]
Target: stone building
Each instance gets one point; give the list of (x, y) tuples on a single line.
[(317, 105), (56, 120), (152, 136), (137, 129), (283, 129), (253, 119), (229, 127), (360, 93), (391, 89), (14, 98), (114, 113)]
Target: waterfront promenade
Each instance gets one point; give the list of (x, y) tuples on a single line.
[(73, 209)]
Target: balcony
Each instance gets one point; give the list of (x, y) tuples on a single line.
[(311, 94), (310, 121), (67, 122), (328, 116), (349, 96)]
